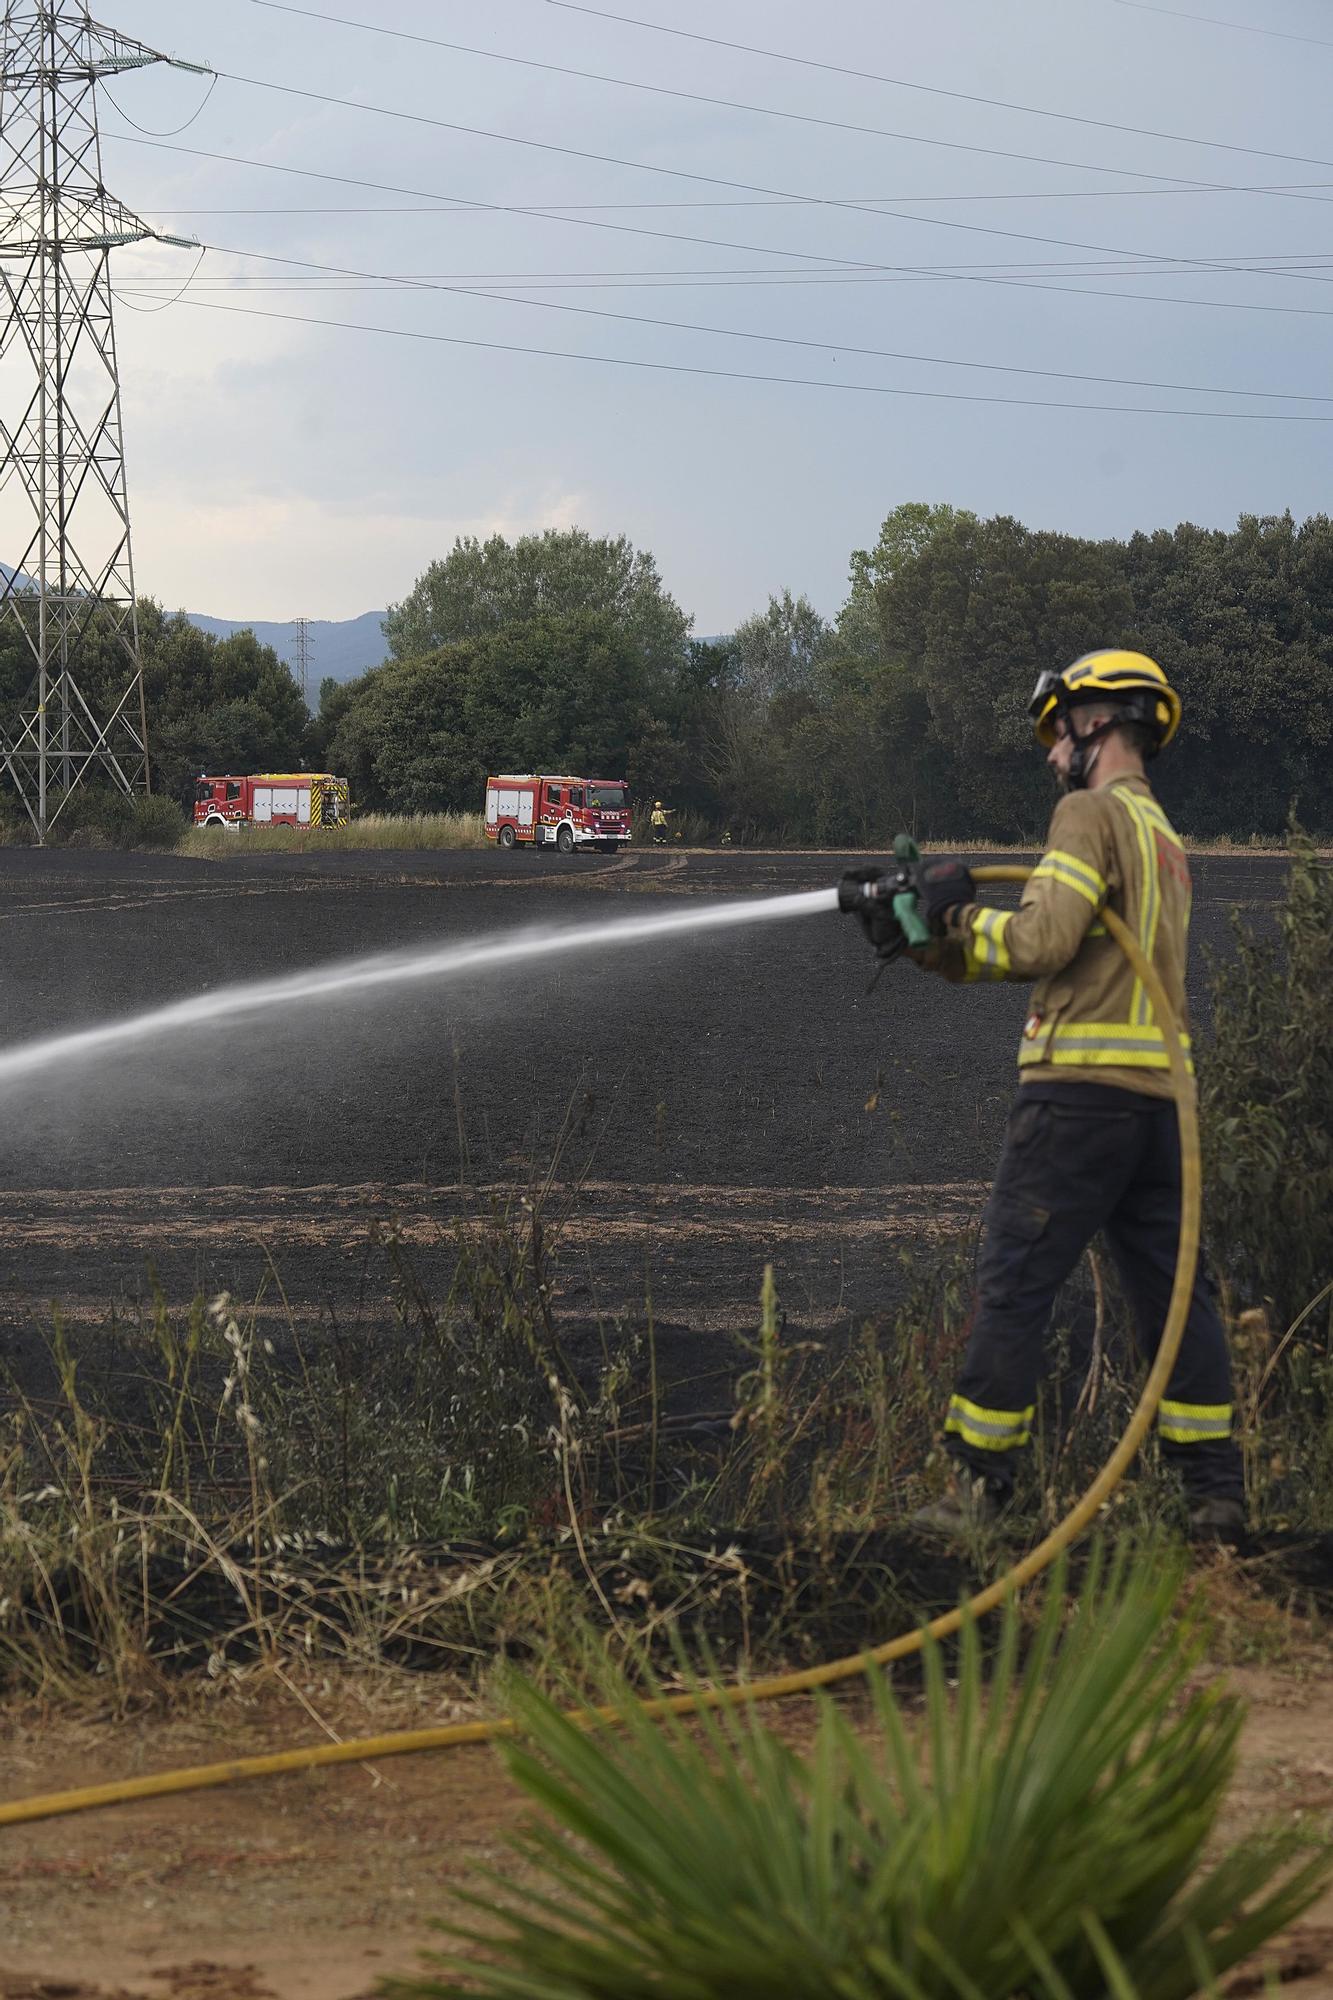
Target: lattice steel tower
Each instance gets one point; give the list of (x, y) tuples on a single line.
[(64, 509), (302, 660)]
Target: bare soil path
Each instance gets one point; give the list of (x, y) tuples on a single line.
[(312, 1887)]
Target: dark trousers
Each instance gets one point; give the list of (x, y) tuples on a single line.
[(1077, 1158)]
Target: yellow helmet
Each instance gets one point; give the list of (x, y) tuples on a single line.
[(1126, 680)]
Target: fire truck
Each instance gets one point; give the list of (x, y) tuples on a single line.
[(527, 810), (271, 798)]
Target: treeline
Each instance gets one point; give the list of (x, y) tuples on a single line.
[(909, 709), (213, 704)]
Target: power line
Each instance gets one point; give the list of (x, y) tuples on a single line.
[(500, 207), (165, 305), (313, 289), (762, 110), (150, 131), (929, 89), (610, 159), (850, 271), (1211, 21), (776, 339), (1312, 264), (792, 201), (711, 180), (741, 375)]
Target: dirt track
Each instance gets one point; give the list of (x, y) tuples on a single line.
[(313, 1887), (736, 1098)]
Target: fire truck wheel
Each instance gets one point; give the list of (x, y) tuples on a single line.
[(564, 840), (506, 836)]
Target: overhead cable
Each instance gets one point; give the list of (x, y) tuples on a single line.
[(710, 180), (743, 375), (434, 287), (172, 131), (790, 201), (929, 89), (911, 139), (164, 305), (848, 270), (1212, 21)]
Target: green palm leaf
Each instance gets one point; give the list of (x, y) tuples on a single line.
[(1039, 1837)]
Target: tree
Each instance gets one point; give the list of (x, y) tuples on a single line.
[(968, 616), (775, 652), (215, 704), (905, 536), (1243, 625), (570, 692), (481, 587)]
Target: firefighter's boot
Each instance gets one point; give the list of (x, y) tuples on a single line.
[(969, 1503), (1219, 1518)]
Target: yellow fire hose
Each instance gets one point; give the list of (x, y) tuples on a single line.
[(405, 1742)]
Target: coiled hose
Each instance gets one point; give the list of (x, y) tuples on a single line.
[(406, 1742)]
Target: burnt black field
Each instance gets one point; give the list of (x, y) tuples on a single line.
[(701, 1107)]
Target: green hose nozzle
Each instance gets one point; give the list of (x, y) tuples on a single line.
[(885, 899)]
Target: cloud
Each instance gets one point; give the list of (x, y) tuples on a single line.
[(282, 556)]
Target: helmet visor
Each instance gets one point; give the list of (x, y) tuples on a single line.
[(1048, 684)]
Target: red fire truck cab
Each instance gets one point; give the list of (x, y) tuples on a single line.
[(272, 798), (528, 810)]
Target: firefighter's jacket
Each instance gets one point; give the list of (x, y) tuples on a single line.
[(1090, 1019)]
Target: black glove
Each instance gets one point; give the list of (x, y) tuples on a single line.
[(941, 885), (876, 913)]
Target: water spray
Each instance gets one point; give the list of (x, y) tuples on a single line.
[(363, 975)]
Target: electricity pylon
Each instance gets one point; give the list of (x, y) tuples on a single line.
[(75, 705), (302, 662)]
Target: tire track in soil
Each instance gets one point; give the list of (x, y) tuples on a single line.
[(700, 1250)]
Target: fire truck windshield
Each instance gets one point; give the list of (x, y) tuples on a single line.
[(606, 798)]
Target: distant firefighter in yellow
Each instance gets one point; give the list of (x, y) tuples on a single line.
[(657, 819)]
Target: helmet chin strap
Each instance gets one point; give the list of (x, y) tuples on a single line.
[(1081, 765)]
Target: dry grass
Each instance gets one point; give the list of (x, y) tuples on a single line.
[(408, 833)]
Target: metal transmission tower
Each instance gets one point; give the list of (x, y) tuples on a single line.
[(302, 661), (69, 600)]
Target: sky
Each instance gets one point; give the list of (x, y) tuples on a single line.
[(280, 468)]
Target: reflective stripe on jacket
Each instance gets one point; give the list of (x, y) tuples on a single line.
[(1114, 848)]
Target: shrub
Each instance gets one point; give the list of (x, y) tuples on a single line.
[(1043, 1839), (158, 822), (1266, 1100), (93, 817)]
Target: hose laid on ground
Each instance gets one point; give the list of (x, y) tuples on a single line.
[(405, 1742)]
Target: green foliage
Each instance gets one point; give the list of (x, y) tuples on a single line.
[(1266, 1100), (776, 652), (215, 704), (158, 822), (1243, 625), (565, 691), (480, 588), (96, 816), (910, 710), (1044, 1836)]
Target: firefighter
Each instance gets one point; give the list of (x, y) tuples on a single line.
[(1092, 1140), (658, 818)]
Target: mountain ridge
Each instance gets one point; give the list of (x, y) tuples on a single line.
[(339, 648)]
